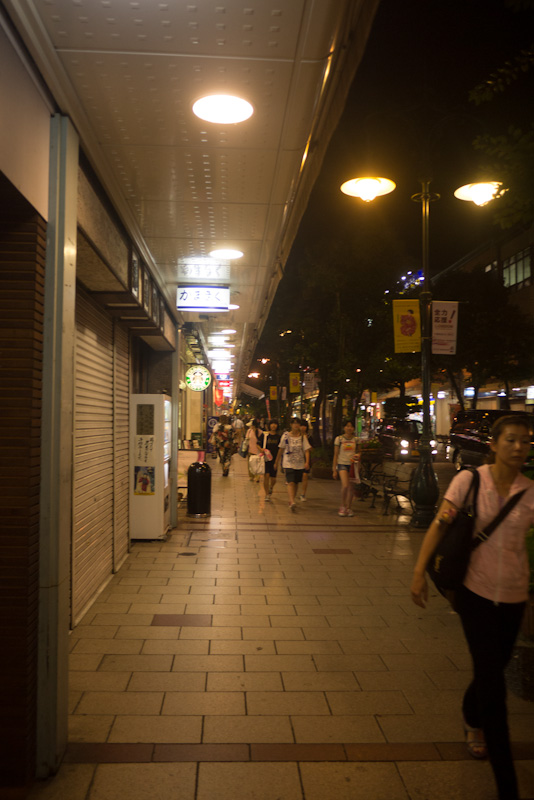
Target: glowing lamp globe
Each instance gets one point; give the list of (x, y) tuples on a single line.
[(367, 188), (478, 193)]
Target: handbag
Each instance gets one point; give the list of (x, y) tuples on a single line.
[(243, 450), (256, 465), (449, 562)]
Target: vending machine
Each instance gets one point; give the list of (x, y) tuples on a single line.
[(150, 460)]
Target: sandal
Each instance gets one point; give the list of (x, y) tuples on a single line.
[(475, 742)]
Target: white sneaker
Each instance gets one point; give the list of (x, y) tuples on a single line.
[(342, 512), (302, 498), (349, 513)]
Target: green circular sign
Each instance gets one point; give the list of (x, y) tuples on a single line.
[(198, 378)]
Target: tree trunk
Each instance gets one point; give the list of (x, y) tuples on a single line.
[(317, 413), (454, 383)]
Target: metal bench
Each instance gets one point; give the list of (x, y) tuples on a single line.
[(396, 482)]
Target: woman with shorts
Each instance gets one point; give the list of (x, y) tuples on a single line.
[(271, 441), (294, 451), (344, 451), (305, 430)]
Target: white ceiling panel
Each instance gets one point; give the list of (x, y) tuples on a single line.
[(127, 73)]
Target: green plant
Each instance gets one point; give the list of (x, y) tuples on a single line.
[(323, 456)]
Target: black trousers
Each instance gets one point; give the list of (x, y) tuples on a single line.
[(491, 630)]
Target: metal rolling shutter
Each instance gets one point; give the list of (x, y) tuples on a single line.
[(121, 437), (92, 546)]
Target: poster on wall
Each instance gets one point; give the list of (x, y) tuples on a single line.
[(145, 481)]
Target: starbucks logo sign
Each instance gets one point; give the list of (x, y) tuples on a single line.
[(198, 378)]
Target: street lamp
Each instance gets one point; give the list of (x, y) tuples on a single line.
[(424, 491)]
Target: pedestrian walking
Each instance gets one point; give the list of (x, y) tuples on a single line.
[(239, 431), (305, 431), (294, 452), (492, 598), (256, 466), (345, 449), (223, 439), (271, 442)]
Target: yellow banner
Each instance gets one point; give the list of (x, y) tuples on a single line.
[(273, 393), (294, 382), (406, 326)]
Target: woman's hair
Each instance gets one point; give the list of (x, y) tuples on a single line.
[(304, 424), (295, 419), (274, 421), (223, 419), (500, 424)]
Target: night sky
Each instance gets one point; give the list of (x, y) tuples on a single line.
[(408, 115)]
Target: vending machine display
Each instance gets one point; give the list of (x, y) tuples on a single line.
[(150, 458)]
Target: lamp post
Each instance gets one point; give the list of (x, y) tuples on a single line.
[(424, 491)]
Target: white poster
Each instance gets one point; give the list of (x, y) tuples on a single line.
[(444, 327)]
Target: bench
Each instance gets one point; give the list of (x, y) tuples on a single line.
[(396, 482), (371, 479)]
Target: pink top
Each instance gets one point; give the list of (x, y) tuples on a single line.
[(499, 568)]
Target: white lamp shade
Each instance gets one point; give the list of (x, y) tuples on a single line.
[(478, 193), (367, 188), (223, 108)]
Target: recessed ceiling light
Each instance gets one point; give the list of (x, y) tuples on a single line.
[(226, 253), (229, 330), (223, 108)]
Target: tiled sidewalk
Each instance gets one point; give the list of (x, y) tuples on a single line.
[(264, 654)]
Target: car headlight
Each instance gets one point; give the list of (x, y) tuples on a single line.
[(404, 452), (404, 443), (433, 443)]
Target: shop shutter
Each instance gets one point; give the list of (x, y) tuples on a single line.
[(93, 503), (121, 438)]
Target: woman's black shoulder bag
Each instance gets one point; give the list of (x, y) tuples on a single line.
[(450, 560)]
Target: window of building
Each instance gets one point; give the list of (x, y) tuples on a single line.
[(516, 270)]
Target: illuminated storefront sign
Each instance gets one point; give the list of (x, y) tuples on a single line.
[(203, 298), (198, 378)]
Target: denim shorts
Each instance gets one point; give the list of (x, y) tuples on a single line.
[(343, 466)]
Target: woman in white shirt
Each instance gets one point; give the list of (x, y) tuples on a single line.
[(345, 447), (294, 451)]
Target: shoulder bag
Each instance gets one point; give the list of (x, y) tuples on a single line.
[(449, 562)]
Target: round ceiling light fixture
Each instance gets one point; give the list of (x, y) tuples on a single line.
[(226, 253), (223, 109)]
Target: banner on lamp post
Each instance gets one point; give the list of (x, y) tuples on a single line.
[(444, 327), (294, 382), (407, 326), (273, 393)]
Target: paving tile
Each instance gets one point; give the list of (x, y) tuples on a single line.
[(297, 752), (72, 781), (209, 663), (166, 681), (83, 662), (147, 632), (346, 729), (298, 648), (156, 729), (244, 681), (368, 703), (220, 632), (448, 780), (204, 703), (122, 647), (319, 681), (89, 727), (238, 620), (201, 752), (136, 663), (242, 647), (272, 633), (99, 681), (261, 663), (259, 781), (143, 781), (400, 751), (247, 729), (94, 632), (120, 703), (352, 782), (268, 703), (327, 663), (179, 620), (176, 646), (98, 753)]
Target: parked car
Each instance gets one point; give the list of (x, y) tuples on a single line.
[(400, 438), (469, 437)]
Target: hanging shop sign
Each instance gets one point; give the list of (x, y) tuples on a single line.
[(406, 326), (294, 382), (203, 298), (197, 378), (204, 270), (444, 327)]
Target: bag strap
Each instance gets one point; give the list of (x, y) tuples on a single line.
[(483, 536), (473, 487)]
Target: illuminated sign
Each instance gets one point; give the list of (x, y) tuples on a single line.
[(204, 270), (198, 378), (203, 298)]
